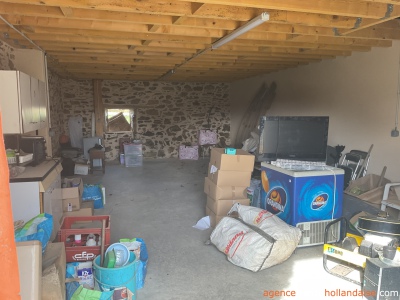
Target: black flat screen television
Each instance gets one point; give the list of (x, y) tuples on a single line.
[(293, 137)]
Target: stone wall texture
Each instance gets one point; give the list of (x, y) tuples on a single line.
[(56, 111), (7, 57), (167, 114)]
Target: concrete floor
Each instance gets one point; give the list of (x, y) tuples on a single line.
[(160, 202)]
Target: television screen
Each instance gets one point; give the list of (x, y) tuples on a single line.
[(293, 137)]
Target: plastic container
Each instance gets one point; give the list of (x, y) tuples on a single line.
[(109, 260), (107, 279), (122, 255), (93, 225), (253, 192), (133, 155)]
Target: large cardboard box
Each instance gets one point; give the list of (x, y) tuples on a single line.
[(214, 219), (241, 161), (228, 178), (87, 209), (81, 169), (224, 192), (71, 193), (222, 207), (30, 269)]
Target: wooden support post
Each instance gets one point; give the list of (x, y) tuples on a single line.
[(98, 108)]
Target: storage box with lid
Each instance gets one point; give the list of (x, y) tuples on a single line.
[(189, 152), (133, 154)]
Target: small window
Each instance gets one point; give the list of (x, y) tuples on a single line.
[(119, 119)]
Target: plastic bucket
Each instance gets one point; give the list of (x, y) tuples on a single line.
[(108, 279)]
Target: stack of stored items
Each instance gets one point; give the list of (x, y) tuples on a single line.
[(133, 154), (73, 206), (228, 178)]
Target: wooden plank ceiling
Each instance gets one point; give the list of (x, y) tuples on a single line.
[(144, 40)]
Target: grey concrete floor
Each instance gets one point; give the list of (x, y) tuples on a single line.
[(160, 202)]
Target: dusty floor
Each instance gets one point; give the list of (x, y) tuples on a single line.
[(160, 202)]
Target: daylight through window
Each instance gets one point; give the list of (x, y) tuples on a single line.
[(119, 119)]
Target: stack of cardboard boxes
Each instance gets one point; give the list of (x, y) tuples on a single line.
[(73, 206), (229, 176)]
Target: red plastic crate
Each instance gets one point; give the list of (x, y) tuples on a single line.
[(71, 226)]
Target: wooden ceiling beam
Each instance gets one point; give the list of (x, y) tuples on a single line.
[(209, 20), (341, 8)]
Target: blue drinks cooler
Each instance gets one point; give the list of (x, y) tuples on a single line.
[(302, 196)]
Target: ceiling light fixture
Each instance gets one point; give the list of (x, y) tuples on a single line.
[(241, 30)]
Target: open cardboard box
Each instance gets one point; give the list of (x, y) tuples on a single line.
[(71, 192), (369, 188), (241, 161)]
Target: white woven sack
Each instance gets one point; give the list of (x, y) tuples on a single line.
[(256, 240)]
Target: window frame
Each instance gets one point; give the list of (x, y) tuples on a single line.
[(119, 106)]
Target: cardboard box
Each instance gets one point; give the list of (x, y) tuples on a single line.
[(71, 193), (53, 272), (81, 169), (229, 178), (214, 219), (224, 192), (365, 184), (87, 209), (222, 207), (369, 189), (189, 152), (30, 269), (241, 161)]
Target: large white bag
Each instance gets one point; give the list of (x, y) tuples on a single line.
[(255, 239)]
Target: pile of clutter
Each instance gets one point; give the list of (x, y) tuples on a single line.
[(76, 259)]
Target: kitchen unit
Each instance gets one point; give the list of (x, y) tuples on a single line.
[(38, 190), (24, 100)]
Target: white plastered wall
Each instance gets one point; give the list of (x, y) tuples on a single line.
[(357, 92)]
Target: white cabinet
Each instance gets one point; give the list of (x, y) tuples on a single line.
[(25, 198), (23, 102), (40, 195)]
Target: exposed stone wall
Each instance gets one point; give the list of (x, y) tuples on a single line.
[(168, 114), (78, 101), (56, 111), (7, 57)]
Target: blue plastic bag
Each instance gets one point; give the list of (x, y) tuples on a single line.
[(93, 192), (142, 269), (142, 263), (39, 228)]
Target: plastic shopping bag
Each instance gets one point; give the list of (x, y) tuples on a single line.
[(138, 246), (39, 228), (93, 192)]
